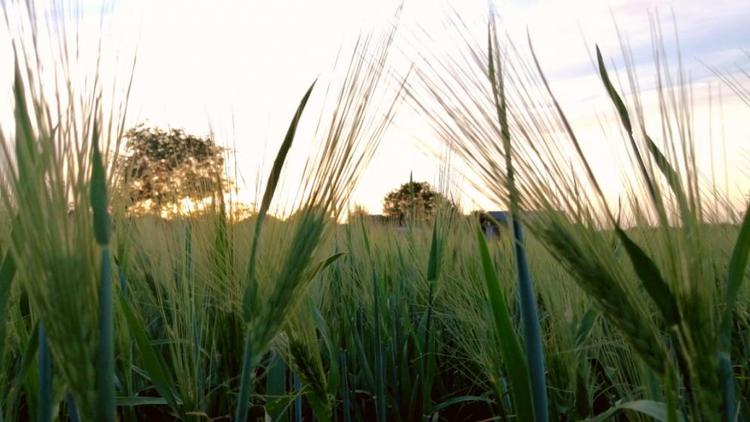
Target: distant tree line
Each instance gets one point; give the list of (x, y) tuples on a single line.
[(161, 168)]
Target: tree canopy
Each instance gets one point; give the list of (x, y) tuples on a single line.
[(415, 200), (162, 168)]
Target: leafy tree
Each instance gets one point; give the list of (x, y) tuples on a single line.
[(414, 200), (163, 168)]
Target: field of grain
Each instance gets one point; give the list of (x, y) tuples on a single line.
[(582, 308)]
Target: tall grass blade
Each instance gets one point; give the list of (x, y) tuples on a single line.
[(72, 408), (433, 268), (26, 153), (531, 325), (45, 400), (297, 387), (653, 409), (250, 295), (105, 355), (735, 276), (26, 362), (273, 180), (140, 401), (24, 160), (510, 348), (246, 379), (345, 394), (276, 385), (105, 358), (612, 92), (527, 298), (626, 123), (98, 194), (459, 400), (727, 385), (652, 280), (322, 265), (379, 353), (673, 178), (585, 325), (152, 364), (7, 273)]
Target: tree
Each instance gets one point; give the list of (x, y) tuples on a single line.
[(415, 200), (164, 168)]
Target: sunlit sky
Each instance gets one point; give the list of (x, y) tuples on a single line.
[(238, 68)]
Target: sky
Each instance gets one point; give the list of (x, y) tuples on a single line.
[(238, 68)]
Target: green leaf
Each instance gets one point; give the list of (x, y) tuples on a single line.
[(625, 119), (379, 353), (26, 154), (141, 401), (735, 276), (105, 354), (585, 325), (273, 178), (652, 280), (7, 273), (276, 385), (152, 364), (345, 393), (249, 297), (321, 266), (45, 401), (654, 409), (582, 402), (323, 331), (459, 400), (613, 95), (98, 193), (433, 266), (27, 359), (510, 348), (527, 299), (726, 374), (673, 179)]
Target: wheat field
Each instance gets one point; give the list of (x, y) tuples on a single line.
[(583, 308)]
